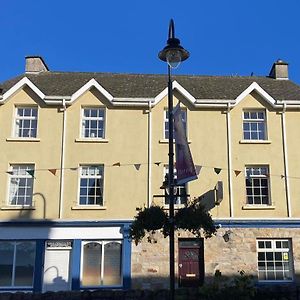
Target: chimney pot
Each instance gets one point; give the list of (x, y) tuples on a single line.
[(280, 70), (35, 64)]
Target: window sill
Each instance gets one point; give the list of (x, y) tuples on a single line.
[(17, 207), (176, 206), (164, 141), (91, 140), (275, 282), (16, 139), (255, 141), (258, 207), (88, 207)]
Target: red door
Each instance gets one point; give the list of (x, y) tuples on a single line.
[(191, 262)]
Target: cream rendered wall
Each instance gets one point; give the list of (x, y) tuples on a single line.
[(207, 137), (293, 143), (125, 188), (44, 153), (270, 154)]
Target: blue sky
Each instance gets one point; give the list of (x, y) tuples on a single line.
[(232, 37)]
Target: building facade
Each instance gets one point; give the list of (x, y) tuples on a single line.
[(81, 152)]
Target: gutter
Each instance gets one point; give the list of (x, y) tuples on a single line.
[(285, 159), (62, 160)]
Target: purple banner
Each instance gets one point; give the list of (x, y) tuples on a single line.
[(184, 162)]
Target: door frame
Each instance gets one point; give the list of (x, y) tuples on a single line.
[(195, 243)]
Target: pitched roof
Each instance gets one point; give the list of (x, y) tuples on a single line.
[(150, 85)]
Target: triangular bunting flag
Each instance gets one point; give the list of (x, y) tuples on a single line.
[(74, 169), (217, 170), (118, 164), (198, 169), (158, 163), (31, 173), (137, 166), (237, 172), (53, 171), (282, 176), (10, 172)]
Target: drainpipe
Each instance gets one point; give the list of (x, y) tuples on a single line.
[(62, 160), (228, 123), (286, 167), (149, 155)]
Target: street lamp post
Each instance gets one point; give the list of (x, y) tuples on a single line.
[(173, 54)]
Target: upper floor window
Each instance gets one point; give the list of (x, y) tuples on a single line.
[(26, 122), (274, 259), (21, 185), (17, 259), (180, 191), (254, 125), (93, 123), (91, 185), (166, 122), (257, 185)]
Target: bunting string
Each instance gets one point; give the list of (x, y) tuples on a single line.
[(137, 166)]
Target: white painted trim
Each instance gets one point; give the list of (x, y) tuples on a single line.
[(286, 166), (19, 85), (179, 88), (60, 233), (133, 100), (255, 87), (88, 86), (141, 102)]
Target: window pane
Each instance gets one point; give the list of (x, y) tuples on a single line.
[(254, 125), (112, 264), (93, 123), (246, 126), (278, 264), (24, 268), (6, 263), (91, 264)]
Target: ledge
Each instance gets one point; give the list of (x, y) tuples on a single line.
[(23, 140), (258, 207), (176, 206), (164, 141), (87, 140), (255, 142), (17, 207), (88, 207)]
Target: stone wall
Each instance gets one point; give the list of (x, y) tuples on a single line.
[(150, 261)]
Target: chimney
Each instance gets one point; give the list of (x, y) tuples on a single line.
[(279, 70), (35, 64)]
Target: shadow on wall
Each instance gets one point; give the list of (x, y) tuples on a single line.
[(57, 282), (241, 287), (39, 199)]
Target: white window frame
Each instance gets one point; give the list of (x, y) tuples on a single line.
[(249, 176), (13, 278), (97, 119), (286, 258), (177, 189), (166, 122), (21, 119), (102, 243), (257, 120), (17, 176), (98, 176)]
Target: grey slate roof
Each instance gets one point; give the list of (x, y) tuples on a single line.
[(150, 85)]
